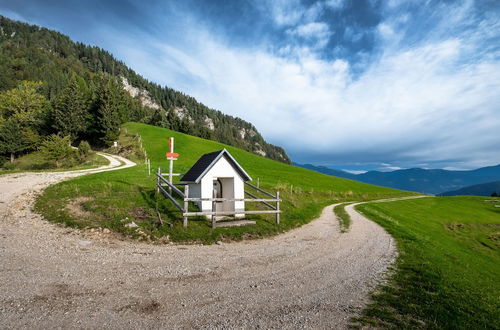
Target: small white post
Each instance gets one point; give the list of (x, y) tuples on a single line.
[(158, 180), (186, 205), (214, 207), (278, 207), (149, 167)]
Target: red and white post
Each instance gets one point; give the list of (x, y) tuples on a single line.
[(171, 156)]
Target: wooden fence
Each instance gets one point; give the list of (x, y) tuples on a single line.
[(169, 190)]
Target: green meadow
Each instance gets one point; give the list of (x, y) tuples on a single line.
[(112, 199), (447, 273)]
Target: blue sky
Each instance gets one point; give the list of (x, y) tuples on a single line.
[(353, 84)]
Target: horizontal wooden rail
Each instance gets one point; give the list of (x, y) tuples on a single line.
[(192, 214), (196, 199), (265, 202), (174, 188), (166, 194), (261, 190)]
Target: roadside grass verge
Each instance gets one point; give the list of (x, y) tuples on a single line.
[(34, 162), (114, 199), (343, 217), (447, 273)]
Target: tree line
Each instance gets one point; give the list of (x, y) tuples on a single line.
[(91, 111)]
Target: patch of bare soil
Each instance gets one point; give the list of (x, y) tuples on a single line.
[(140, 213), (76, 208)]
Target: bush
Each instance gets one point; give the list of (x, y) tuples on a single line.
[(9, 166), (58, 149), (84, 150)]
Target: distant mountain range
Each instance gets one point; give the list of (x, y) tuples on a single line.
[(435, 181), (484, 189)]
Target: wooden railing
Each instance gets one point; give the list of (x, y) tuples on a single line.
[(163, 183)]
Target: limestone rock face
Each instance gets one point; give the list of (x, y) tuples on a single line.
[(141, 94), (209, 123)]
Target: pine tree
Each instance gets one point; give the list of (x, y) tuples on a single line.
[(108, 107), (70, 110)]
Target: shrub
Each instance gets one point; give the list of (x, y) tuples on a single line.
[(58, 150), (9, 166), (84, 150)]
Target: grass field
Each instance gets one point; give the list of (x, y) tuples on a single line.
[(34, 162), (448, 270), (112, 199)]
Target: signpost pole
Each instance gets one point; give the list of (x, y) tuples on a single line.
[(171, 143)]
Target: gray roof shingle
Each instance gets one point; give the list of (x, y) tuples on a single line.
[(206, 162)]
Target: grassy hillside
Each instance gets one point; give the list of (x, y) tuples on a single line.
[(112, 199), (449, 263)]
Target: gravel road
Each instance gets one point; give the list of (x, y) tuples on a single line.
[(56, 277)]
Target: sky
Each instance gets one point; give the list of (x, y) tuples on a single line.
[(349, 84)]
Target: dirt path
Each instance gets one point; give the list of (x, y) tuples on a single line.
[(312, 277)]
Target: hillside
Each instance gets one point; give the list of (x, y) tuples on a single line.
[(29, 52), (428, 181), (484, 189), (108, 198)]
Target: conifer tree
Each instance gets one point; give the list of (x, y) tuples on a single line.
[(108, 108), (70, 110)]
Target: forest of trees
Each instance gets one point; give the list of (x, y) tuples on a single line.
[(76, 90)]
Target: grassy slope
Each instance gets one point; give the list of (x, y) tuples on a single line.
[(34, 162), (114, 196), (449, 264)]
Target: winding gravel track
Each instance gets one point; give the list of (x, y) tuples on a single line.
[(55, 277)]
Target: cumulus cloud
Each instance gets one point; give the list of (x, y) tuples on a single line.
[(434, 100)]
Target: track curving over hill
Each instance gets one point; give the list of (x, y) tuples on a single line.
[(50, 276)]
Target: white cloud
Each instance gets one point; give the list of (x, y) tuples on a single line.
[(312, 30), (283, 12), (355, 171), (335, 4), (317, 32), (433, 101)]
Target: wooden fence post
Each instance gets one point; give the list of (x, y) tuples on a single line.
[(278, 207), (213, 210), (186, 205), (158, 180)]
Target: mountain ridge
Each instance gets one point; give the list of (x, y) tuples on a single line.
[(429, 181), (482, 189)]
